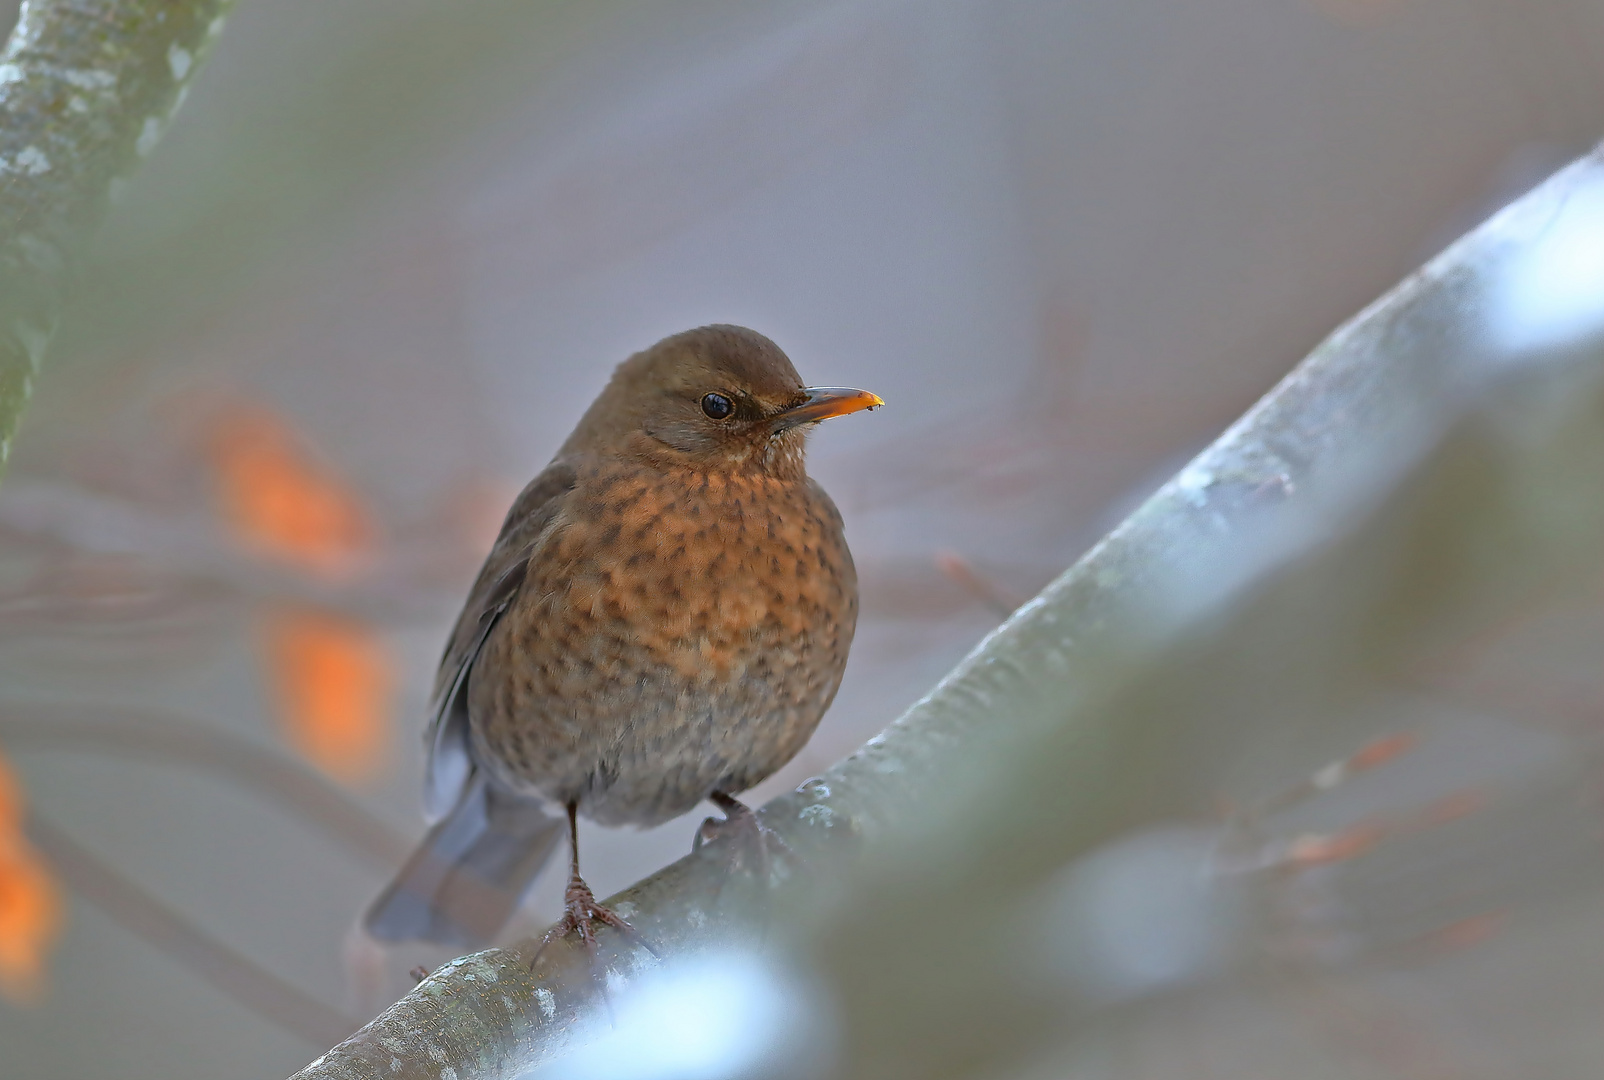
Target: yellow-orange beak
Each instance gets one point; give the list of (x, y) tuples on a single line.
[(823, 402)]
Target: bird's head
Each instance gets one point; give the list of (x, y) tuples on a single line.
[(717, 397)]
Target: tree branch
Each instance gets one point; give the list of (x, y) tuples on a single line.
[(86, 89), (137, 911), (172, 741), (1405, 484)]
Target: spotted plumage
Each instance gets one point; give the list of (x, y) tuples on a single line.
[(665, 618)]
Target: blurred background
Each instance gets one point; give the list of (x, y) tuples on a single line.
[(390, 250)]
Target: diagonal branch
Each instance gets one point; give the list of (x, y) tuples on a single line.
[(213, 960), (1398, 488), (169, 740)]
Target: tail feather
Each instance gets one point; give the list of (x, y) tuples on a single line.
[(469, 874)]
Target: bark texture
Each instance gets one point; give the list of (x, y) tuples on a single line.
[(86, 89)]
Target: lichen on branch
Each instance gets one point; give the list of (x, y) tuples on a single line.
[(86, 89)]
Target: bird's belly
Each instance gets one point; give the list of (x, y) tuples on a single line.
[(635, 686)]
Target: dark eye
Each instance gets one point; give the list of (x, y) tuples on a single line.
[(717, 406)]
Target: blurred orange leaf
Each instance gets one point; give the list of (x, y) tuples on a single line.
[(334, 681), (1380, 751), (1455, 806), (282, 502), (32, 911)]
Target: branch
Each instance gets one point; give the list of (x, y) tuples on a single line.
[(86, 89), (1405, 485), (137, 911), (169, 741)]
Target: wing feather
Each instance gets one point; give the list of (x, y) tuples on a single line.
[(449, 762)]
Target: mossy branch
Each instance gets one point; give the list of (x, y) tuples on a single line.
[(86, 89)]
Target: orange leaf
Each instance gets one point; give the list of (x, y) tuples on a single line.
[(31, 918), (1382, 750), (31, 908), (1455, 806), (334, 681), (283, 503)]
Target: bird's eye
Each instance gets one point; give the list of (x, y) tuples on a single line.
[(717, 406)]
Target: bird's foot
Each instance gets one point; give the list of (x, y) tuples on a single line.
[(750, 837), (581, 912)]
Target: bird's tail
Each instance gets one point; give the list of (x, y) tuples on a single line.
[(468, 875)]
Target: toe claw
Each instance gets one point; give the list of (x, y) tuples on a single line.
[(581, 912), (755, 840), (707, 832)]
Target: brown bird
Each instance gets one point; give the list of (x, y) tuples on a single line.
[(664, 619)]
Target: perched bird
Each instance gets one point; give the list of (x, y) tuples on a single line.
[(664, 619)]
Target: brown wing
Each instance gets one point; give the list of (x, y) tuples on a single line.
[(448, 765)]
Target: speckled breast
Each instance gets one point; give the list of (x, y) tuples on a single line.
[(678, 633)]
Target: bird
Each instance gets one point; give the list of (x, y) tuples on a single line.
[(664, 619)]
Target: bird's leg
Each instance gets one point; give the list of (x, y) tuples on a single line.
[(582, 911), (749, 834)]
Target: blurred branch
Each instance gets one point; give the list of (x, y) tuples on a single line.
[(983, 588), (187, 556), (1404, 482), (171, 741), (229, 971), (86, 88)]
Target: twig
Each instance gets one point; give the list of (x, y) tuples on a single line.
[(234, 974), (169, 740), (995, 596)]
